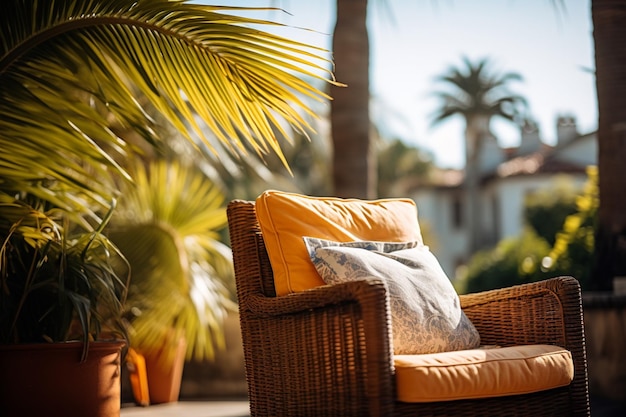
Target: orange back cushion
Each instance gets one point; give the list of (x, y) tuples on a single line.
[(285, 218)]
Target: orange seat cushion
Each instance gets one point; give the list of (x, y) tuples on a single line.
[(284, 218), (482, 373)]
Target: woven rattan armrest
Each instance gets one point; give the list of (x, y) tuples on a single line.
[(363, 333), (528, 314)]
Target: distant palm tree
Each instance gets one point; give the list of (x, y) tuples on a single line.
[(477, 95)]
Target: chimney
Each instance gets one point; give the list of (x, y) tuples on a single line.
[(566, 129), (530, 141)]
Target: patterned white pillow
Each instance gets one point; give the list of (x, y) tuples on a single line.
[(425, 308)]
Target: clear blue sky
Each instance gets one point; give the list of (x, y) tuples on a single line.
[(413, 41)]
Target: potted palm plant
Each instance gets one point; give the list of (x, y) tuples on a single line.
[(69, 71), (168, 226)]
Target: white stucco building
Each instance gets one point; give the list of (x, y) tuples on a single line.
[(507, 176)]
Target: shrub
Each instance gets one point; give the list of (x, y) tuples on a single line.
[(573, 252), (513, 261), (546, 209)]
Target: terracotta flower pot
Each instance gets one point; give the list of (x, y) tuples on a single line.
[(164, 377), (48, 379)]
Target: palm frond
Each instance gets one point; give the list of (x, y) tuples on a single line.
[(69, 68)]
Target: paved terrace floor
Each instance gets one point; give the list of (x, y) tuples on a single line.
[(239, 408), (190, 409)]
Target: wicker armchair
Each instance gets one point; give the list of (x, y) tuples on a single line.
[(325, 351)]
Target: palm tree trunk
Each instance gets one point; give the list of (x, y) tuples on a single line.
[(609, 22), (475, 132), (354, 163)]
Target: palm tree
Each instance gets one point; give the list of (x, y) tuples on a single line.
[(477, 95), (354, 160), (70, 68), (609, 33)]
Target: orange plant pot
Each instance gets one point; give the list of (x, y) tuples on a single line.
[(48, 379), (164, 377)]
